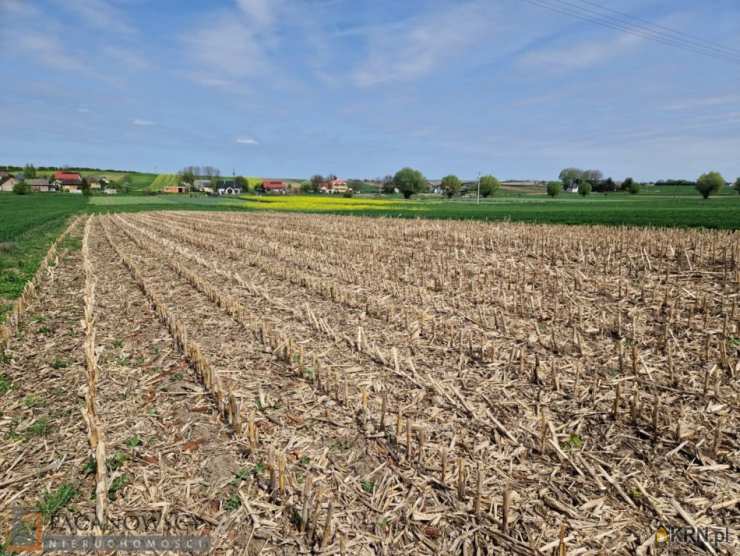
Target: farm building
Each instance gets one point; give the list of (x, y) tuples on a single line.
[(273, 186), (335, 185), (39, 184), (8, 184), (174, 189), (67, 181), (202, 185)]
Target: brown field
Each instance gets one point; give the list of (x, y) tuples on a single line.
[(318, 384)]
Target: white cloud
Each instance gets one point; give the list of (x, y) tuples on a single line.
[(99, 14), (580, 55), (417, 47), (140, 122), (227, 46), (46, 48), (688, 104), (127, 57), (261, 12), (247, 141)]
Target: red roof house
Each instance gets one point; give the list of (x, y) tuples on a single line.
[(67, 178), (274, 186)]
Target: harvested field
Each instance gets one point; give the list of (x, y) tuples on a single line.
[(334, 384)]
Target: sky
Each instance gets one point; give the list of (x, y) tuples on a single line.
[(361, 88)]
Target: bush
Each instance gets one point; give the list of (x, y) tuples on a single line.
[(634, 188), (554, 188), (489, 185), (348, 194), (584, 188), (711, 182), (737, 185), (21, 188)]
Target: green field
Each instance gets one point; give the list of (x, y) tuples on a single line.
[(29, 224), (656, 209), (162, 181)]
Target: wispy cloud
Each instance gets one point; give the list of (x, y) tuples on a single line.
[(420, 45), (261, 12), (100, 14), (247, 141), (46, 48), (227, 46), (580, 55), (688, 104), (83, 110), (132, 60), (141, 122)]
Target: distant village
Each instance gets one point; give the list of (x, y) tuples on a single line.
[(70, 182)]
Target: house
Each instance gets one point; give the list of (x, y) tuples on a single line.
[(202, 185), (94, 182), (273, 186), (110, 191), (174, 189), (335, 185), (8, 184), (67, 181), (39, 184)]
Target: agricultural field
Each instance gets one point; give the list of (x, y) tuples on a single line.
[(162, 181), (616, 209), (301, 383)]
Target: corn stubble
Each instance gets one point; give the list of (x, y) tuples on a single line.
[(456, 387)]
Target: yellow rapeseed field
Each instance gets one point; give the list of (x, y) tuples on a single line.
[(312, 203)]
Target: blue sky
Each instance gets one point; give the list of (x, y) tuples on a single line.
[(289, 88)]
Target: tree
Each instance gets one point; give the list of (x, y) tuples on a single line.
[(187, 175), (21, 188), (554, 188), (584, 187), (388, 186), (451, 186), (711, 182), (570, 176), (29, 172), (409, 181), (86, 187), (627, 183), (489, 185), (316, 181), (634, 187), (306, 186), (241, 181), (737, 185), (592, 176)]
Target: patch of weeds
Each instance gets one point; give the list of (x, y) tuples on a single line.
[(59, 363), (574, 442), (117, 484), (45, 330), (343, 444), (32, 401), (12, 435), (118, 344), (177, 376), (232, 503), (367, 486), (258, 469), (151, 412), (134, 441), (90, 466), (40, 427), (309, 373), (116, 461), (38, 318), (241, 475), (123, 360), (4, 384), (735, 341), (52, 502), (305, 460), (295, 518), (635, 494)]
